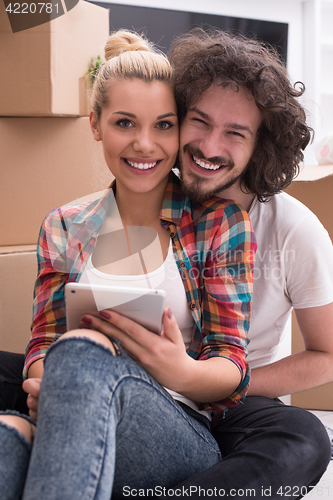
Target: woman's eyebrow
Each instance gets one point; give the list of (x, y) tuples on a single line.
[(124, 113), (134, 116), (166, 115)]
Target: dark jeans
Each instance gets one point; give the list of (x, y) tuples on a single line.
[(12, 396), (269, 450)]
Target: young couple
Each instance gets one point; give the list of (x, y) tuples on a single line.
[(104, 419)]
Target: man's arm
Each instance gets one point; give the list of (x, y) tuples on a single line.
[(304, 370)]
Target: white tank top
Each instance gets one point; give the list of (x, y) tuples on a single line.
[(166, 278)]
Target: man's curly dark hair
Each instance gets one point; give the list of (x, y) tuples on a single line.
[(201, 59)]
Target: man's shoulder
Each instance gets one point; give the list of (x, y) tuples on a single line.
[(285, 202), (281, 209)]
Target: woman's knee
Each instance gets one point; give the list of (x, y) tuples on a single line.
[(97, 337), (21, 424)]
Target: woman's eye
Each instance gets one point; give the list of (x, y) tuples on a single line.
[(124, 123), (165, 125)]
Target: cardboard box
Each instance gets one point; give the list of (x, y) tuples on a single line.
[(314, 188), (18, 271), (46, 163), (44, 65)]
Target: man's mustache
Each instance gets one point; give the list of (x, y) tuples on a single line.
[(215, 160)]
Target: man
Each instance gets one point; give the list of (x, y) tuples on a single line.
[(242, 135)]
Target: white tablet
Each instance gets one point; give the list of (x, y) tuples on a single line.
[(145, 306)]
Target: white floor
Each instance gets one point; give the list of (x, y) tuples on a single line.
[(324, 489)]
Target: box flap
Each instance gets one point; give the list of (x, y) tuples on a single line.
[(314, 172), (16, 249)]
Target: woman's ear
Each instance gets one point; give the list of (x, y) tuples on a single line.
[(94, 124)]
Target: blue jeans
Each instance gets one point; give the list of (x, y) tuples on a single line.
[(14, 460), (105, 427)]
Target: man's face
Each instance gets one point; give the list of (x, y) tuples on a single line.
[(217, 140)]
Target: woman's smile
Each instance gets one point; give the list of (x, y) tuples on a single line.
[(142, 164)]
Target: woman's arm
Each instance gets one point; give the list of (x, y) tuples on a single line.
[(66, 239), (226, 289), (49, 318)]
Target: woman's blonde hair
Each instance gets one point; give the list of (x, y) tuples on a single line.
[(128, 55)]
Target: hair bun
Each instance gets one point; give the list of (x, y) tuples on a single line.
[(124, 41)]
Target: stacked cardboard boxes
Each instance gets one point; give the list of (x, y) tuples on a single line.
[(48, 154), (43, 66), (314, 188)]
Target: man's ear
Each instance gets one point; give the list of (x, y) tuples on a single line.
[(94, 124)]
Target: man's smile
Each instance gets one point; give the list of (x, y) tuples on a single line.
[(205, 164)]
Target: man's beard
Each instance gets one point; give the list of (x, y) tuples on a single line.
[(195, 189)]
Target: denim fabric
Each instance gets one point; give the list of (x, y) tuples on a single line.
[(104, 423), (15, 455)]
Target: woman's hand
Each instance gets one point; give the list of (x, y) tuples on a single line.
[(163, 356), (32, 387)]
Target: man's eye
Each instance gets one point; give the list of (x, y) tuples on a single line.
[(124, 123), (237, 134), (199, 120), (165, 125)]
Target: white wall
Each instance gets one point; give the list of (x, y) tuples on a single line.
[(286, 11)]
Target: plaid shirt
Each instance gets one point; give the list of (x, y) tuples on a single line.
[(214, 246)]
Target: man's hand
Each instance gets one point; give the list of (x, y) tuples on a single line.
[(32, 387)]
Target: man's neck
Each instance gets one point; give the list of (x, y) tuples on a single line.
[(235, 193)]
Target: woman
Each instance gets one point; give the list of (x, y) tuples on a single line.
[(118, 415)]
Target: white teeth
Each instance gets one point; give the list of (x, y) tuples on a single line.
[(141, 166), (207, 166)]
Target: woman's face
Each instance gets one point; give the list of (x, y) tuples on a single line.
[(139, 132)]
